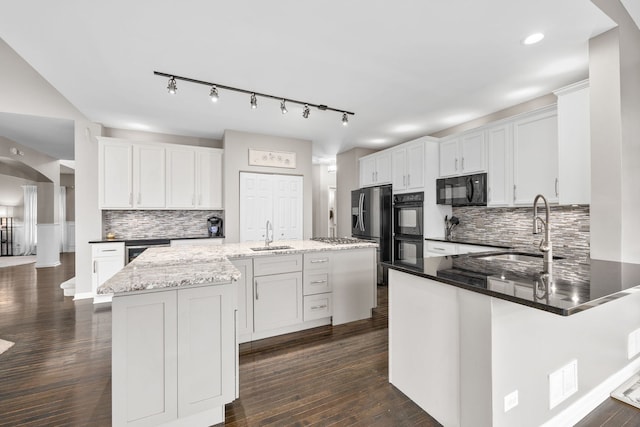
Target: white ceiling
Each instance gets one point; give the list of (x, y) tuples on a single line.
[(53, 137), (407, 68)]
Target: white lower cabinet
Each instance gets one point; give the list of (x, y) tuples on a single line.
[(174, 356), (277, 301), (354, 284), (244, 320), (106, 260)]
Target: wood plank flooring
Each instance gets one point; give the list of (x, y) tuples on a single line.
[(59, 371)]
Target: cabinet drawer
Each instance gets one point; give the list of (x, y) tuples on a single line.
[(317, 306), (263, 266), (317, 261), (441, 248), (107, 249), (316, 283)]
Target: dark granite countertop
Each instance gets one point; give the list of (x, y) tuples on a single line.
[(575, 286), (151, 241), (469, 242)]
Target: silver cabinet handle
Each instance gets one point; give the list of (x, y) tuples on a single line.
[(514, 192), (317, 261), (409, 180), (314, 282), (255, 288), (94, 266), (200, 199), (317, 307), (139, 198), (489, 194), (109, 250), (462, 163), (131, 198), (557, 187), (456, 163), (373, 177), (438, 249)]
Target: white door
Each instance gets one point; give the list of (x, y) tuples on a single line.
[(256, 205), (449, 158), (209, 179), (288, 195), (399, 179), (367, 171), (472, 153), (383, 168), (499, 188), (181, 178), (415, 166), (277, 301)]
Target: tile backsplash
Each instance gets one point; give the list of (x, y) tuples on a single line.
[(514, 226), (148, 224)]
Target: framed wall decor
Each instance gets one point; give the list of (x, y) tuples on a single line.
[(276, 159)]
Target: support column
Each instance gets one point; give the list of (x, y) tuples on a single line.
[(48, 252)]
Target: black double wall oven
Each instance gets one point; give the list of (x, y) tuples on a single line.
[(408, 233)]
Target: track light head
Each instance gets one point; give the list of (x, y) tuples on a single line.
[(345, 119), (283, 107), (306, 111), (254, 101), (214, 94), (172, 87)]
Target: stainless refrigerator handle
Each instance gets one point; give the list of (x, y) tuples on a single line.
[(360, 212)]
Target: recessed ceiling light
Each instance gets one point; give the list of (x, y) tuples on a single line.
[(533, 39)]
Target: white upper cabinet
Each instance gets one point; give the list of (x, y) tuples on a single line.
[(408, 166), (462, 155), (148, 176), (574, 144), (194, 178), (115, 174), (137, 175), (375, 169), (499, 166), (535, 158)]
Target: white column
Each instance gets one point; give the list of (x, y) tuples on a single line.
[(48, 245)]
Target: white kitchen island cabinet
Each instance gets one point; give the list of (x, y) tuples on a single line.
[(354, 285)]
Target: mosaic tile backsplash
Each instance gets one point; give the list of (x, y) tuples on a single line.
[(143, 224), (514, 227)]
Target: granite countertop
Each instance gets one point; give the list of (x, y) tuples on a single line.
[(152, 240), (575, 285), (167, 267), (469, 242)]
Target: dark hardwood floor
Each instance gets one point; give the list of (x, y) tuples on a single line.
[(59, 370)]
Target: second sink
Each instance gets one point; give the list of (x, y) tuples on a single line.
[(271, 248)]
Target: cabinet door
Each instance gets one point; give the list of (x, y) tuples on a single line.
[(245, 299), (181, 178), (383, 168), (148, 176), (144, 359), (415, 166), (472, 153), (209, 179), (206, 348), (499, 187), (104, 268), (449, 158), (287, 215), (116, 178), (367, 171), (277, 301), (398, 166), (535, 150)]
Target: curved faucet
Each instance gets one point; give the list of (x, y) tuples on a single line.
[(545, 244)]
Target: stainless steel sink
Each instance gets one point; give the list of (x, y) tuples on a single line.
[(271, 248), (514, 256)]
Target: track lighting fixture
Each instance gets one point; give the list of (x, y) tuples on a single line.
[(172, 87), (213, 93)]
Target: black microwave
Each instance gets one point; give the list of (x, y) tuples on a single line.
[(468, 190)]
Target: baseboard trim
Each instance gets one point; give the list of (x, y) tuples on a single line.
[(587, 403), (47, 265), (102, 298), (83, 295)]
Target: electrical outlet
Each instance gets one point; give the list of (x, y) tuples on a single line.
[(511, 401), (633, 344), (563, 383)]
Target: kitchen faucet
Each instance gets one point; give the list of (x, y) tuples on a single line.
[(545, 244), (268, 240)]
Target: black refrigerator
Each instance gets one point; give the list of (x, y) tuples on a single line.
[(372, 219)]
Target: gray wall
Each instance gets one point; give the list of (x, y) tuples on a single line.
[(236, 146), (348, 179), (136, 135), (322, 180)]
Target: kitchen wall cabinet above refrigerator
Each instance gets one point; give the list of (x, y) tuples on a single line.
[(375, 169), (137, 175)]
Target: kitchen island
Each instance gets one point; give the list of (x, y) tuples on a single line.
[(490, 340), (179, 313)]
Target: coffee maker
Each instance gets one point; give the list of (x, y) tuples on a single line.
[(214, 226)]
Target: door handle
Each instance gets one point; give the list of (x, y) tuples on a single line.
[(456, 163), (409, 180), (255, 288), (462, 163), (317, 282), (557, 187), (131, 198), (514, 192), (139, 198)]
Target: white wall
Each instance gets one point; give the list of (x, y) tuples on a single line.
[(236, 146), (31, 94), (11, 194)]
